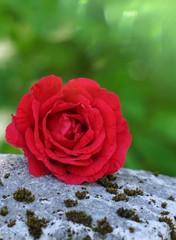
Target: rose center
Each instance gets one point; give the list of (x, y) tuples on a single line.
[(67, 125)]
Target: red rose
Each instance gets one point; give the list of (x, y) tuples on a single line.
[(75, 131)]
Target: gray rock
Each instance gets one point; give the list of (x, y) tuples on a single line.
[(50, 194)]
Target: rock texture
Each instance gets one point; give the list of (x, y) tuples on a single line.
[(135, 216)]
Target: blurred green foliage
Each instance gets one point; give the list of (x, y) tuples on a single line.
[(128, 46)]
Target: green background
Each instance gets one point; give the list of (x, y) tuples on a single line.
[(128, 46)]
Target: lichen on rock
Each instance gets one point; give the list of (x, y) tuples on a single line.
[(49, 218), (35, 224), (103, 227), (23, 195), (4, 211), (79, 217)]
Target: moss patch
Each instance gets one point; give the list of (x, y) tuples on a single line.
[(29, 213), (133, 192), (171, 198), (163, 204), (70, 233), (81, 195), (152, 201), (111, 190), (79, 217), (156, 174), (11, 223), (5, 196), (70, 202), (111, 177), (128, 213), (131, 229), (1, 184), (87, 238), (107, 183), (171, 226), (23, 195), (103, 227), (43, 199), (4, 211), (6, 175), (120, 197), (35, 224), (165, 213)]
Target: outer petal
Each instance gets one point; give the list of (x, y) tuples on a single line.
[(123, 135), (55, 105), (72, 179), (24, 117), (30, 142), (78, 95), (56, 168), (123, 142), (89, 85), (13, 136), (83, 160), (99, 174), (75, 179), (46, 87), (38, 142), (113, 101), (35, 166)]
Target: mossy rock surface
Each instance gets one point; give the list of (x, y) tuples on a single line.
[(140, 204)]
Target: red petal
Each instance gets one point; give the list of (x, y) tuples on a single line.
[(38, 143), (66, 142), (72, 179), (99, 174), (58, 123), (46, 87), (77, 95), (60, 147), (55, 105), (53, 166), (56, 168), (13, 136), (109, 146), (113, 101), (75, 179), (83, 160), (123, 142), (85, 139), (24, 117), (84, 83), (96, 123), (30, 142), (35, 166)]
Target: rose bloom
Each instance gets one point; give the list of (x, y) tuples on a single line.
[(75, 131)]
